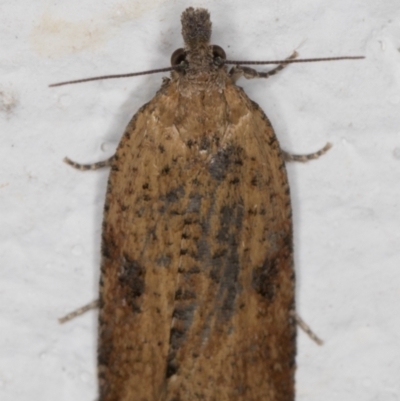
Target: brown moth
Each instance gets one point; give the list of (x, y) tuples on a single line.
[(197, 280), (197, 283)]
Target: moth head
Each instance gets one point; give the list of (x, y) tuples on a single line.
[(197, 54)]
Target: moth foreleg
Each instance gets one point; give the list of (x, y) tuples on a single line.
[(249, 73)]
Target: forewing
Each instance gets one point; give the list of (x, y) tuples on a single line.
[(197, 276)]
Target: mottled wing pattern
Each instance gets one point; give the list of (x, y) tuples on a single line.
[(197, 279)]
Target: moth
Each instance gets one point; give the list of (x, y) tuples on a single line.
[(197, 288)]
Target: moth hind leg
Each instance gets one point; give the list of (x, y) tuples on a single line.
[(306, 328), (305, 158), (93, 166), (249, 73), (80, 311)]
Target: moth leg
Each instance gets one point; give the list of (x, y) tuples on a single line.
[(80, 311), (306, 328), (249, 73), (305, 158), (94, 166)]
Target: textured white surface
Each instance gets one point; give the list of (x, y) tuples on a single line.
[(346, 204)]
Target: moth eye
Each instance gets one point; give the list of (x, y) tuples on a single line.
[(218, 52), (178, 56)]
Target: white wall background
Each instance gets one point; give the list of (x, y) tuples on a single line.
[(346, 205)]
